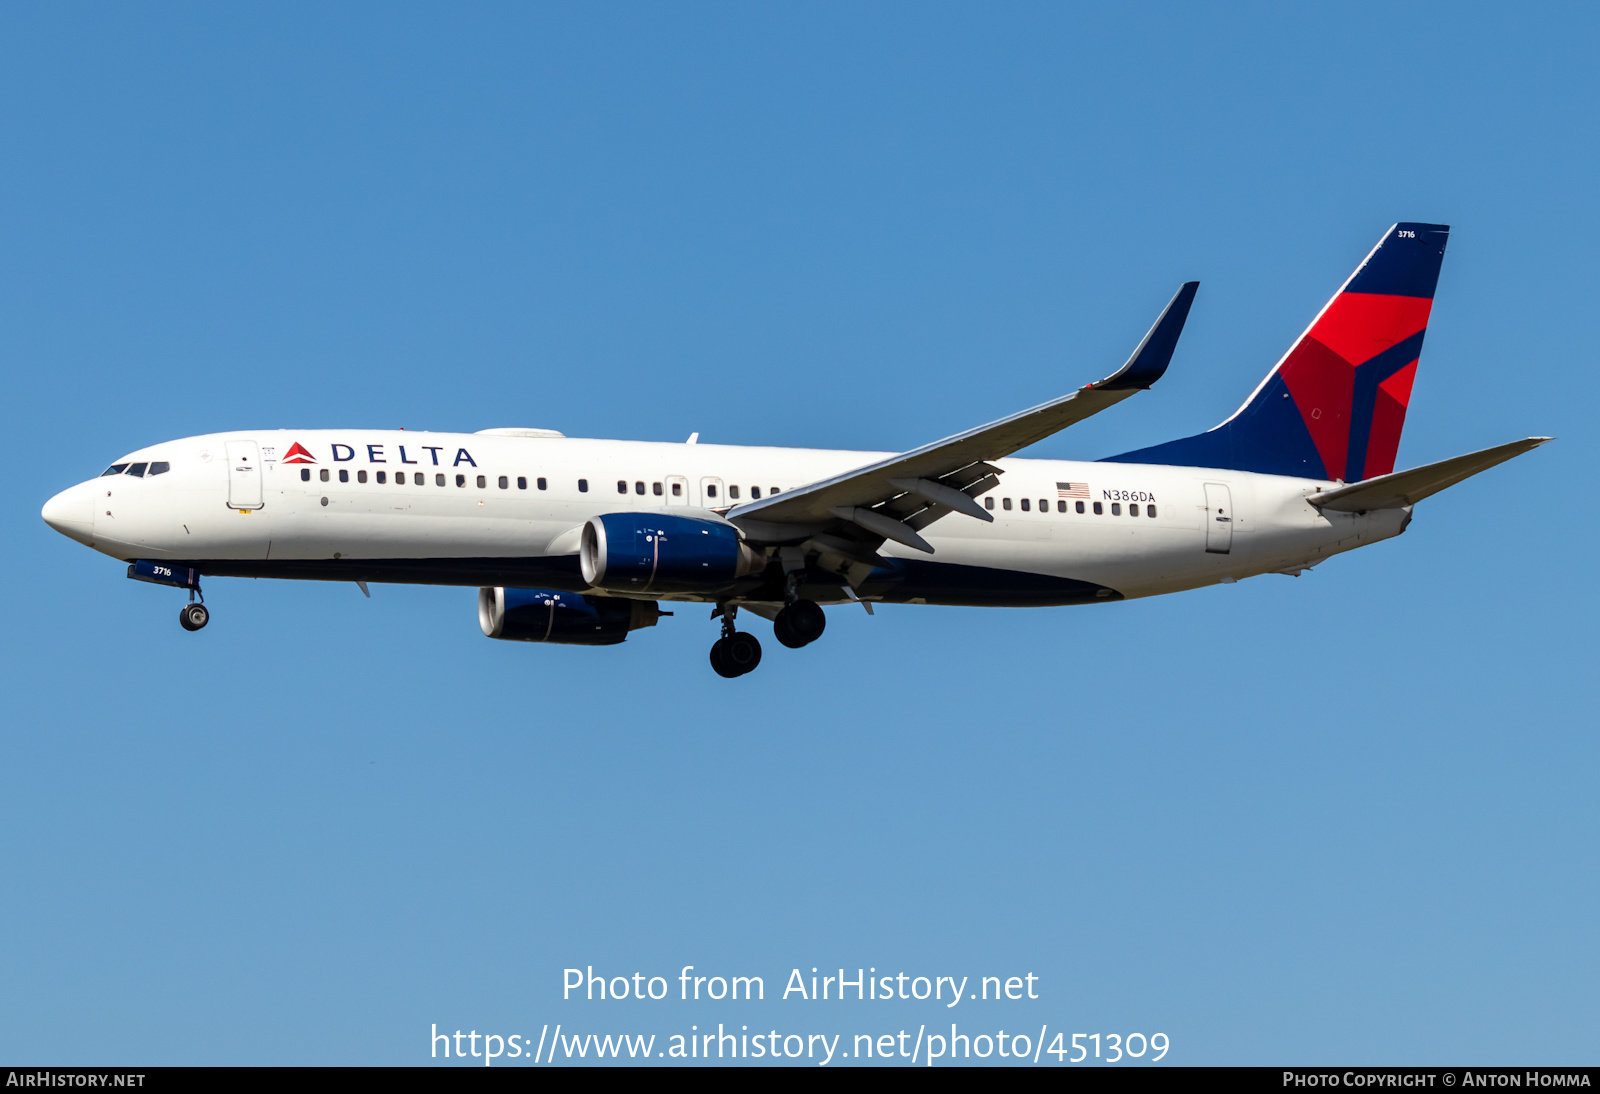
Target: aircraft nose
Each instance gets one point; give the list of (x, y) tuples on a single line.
[(71, 513)]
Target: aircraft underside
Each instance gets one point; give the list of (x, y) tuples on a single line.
[(905, 581)]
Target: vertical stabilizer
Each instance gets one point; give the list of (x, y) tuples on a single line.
[(1333, 407)]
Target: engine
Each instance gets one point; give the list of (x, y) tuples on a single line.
[(543, 615), (653, 552)]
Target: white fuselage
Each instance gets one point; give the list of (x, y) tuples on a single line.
[(235, 503)]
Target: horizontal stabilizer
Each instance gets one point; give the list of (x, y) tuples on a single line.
[(1409, 487)]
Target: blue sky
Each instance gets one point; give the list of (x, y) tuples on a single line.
[(1345, 817)]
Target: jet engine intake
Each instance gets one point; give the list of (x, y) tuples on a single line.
[(544, 615), (654, 552)]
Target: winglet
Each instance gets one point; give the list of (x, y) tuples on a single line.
[(1150, 360)]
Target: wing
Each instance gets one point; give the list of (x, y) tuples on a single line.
[(851, 514)]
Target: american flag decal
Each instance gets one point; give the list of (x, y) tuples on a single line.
[(1072, 489)]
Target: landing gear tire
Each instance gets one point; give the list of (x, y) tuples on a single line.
[(736, 654), (800, 624), (193, 616), (742, 651)]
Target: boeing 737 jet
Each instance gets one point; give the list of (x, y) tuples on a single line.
[(582, 541)]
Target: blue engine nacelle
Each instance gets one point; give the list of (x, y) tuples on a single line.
[(543, 615), (653, 552)]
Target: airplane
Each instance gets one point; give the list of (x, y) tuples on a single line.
[(581, 541)]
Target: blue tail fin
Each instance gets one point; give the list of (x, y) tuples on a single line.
[(1333, 407)]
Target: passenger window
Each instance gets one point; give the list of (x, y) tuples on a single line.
[(483, 482), (1116, 508), (438, 480), (422, 480), (988, 503), (1025, 504), (383, 477), (323, 474), (522, 482), (505, 483), (1133, 510), (711, 491), (655, 488), (160, 468), (1005, 503), (583, 486), (733, 493), (344, 474), (677, 489), (755, 491), (1061, 507), (1097, 509), (1078, 506), (114, 469), (1044, 506), (622, 486), (1149, 510), (137, 469), (461, 480), (771, 491), (541, 484), (361, 476), (305, 474), (638, 488)]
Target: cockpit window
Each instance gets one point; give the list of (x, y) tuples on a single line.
[(114, 469), (137, 469), (160, 468)]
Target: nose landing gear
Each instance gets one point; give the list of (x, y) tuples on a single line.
[(736, 652), (191, 617)]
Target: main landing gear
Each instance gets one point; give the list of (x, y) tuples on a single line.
[(800, 623), (736, 652)]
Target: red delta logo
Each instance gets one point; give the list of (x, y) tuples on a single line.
[(298, 454)]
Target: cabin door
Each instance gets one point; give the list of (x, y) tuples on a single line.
[(244, 475), (1219, 519)]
